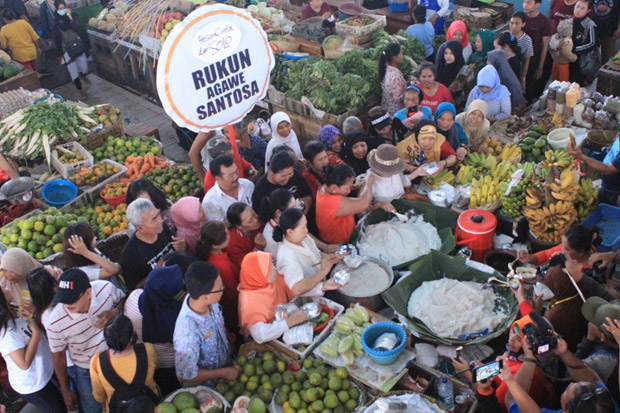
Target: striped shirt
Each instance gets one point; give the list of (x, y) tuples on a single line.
[(525, 44), (76, 331)]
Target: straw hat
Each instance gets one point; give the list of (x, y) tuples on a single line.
[(385, 160)]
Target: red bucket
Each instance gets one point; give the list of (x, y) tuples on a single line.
[(475, 229)]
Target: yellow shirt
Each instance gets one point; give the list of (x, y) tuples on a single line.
[(19, 38), (125, 367)]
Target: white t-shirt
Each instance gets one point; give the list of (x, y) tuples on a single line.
[(40, 371), (272, 246), (91, 271), (387, 189)]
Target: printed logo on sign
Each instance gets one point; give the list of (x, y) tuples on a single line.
[(67, 285), (216, 41)]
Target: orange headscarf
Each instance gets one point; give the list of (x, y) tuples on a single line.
[(460, 26), (522, 322), (257, 297)]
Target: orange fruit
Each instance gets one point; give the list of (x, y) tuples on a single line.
[(107, 230), (98, 210)]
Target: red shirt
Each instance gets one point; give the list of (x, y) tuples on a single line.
[(230, 279), (313, 182), (332, 229), (307, 12), (537, 28), (446, 150), (240, 244), (560, 11), (442, 95), (242, 165)]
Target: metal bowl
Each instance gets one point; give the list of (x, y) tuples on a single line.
[(374, 302)]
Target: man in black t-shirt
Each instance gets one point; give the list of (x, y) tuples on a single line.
[(151, 242), (281, 174), (606, 15)]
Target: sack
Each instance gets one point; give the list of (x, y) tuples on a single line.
[(589, 64), (124, 392), (75, 48)]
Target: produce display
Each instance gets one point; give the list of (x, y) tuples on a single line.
[(269, 17), (95, 175), (108, 18), (513, 199), (107, 115), (115, 189), (347, 340), (200, 399), (175, 181), (69, 156), (138, 166), (39, 235), (358, 21), (118, 149), (586, 198), (35, 128), (445, 176), (483, 191), (104, 219), (165, 24), (8, 69)]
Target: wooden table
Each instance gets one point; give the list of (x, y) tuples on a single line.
[(27, 79), (142, 129), (395, 21), (608, 80)]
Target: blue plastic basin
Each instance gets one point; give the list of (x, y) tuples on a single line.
[(607, 219), (373, 332), (59, 192)]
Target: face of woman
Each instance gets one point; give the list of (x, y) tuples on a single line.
[(299, 233), (478, 43), (360, 149), (249, 220), (316, 4), (514, 341), (11, 276), (475, 118), (569, 252), (412, 98), (427, 78), (484, 89), (458, 36), (320, 161), (445, 121), (284, 128), (53, 270), (387, 131), (343, 190), (337, 144), (426, 142), (448, 56), (398, 59)]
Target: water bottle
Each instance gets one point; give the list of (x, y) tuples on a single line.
[(446, 396)]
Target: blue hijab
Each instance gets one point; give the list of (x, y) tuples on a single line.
[(455, 134), (158, 303), (489, 77)]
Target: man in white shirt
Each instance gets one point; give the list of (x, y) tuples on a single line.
[(75, 323), (228, 188)]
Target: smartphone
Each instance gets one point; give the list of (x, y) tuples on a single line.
[(412, 110), (488, 370)]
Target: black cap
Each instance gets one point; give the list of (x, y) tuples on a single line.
[(71, 285)]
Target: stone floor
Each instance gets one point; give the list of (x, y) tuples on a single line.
[(134, 109)]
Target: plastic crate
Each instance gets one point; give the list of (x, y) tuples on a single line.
[(380, 21), (114, 178), (52, 258), (70, 169), (607, 219)]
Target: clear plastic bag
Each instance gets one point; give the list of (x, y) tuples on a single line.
[(301, 334)]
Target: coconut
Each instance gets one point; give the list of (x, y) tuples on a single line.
[(92, 22), (102, 24)]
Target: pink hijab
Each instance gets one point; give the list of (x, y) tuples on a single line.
[(186, 216)]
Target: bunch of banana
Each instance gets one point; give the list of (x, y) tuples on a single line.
[(535, 197), (567, 188), (559, 158), (465, 174), (513, 203), (503, 170), (346, 340), (481, 161), (586, 199), (494, 145), (510, 153), (549, 223), (483, 191), (528, 169), (446, 176)]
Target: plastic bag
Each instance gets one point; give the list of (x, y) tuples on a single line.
[(461, 196), (442, 196), (301, 334)]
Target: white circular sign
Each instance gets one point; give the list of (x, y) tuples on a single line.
[(213, 68)]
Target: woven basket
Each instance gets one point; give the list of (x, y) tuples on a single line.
[(112, 246), (286, 46), (96, 139)]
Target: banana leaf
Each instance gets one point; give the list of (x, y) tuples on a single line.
[(435, 266), (441, 218)]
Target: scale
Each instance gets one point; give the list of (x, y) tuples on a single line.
[(16, 199)]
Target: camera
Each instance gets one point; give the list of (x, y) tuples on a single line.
[(557, 259), (599, 274), (540, 334)]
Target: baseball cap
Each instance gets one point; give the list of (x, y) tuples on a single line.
[(71, 285), (596, 310)]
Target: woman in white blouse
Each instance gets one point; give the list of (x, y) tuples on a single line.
[(299, 260)]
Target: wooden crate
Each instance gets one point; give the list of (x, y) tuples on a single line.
[(306, 46), (608, 81), (254, 347)]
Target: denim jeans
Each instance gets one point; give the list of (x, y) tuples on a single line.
[(85, 391), (48, 399)]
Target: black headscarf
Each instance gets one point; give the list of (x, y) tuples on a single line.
[(447, 73), (64, 22), (360, 166)]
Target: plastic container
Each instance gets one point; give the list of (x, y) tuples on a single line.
[(399, 7), (346, 10), (330, 315), (475, 229), (371, 333), (69, 169), (559, 138), (607, 218), (114, 200), (445, 393), (59, 192)]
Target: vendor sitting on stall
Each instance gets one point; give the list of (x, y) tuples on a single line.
[(425, 147), (475, 124), (434, 92), (452, 131), (299, 259), (355, 151), (490, 89), (261, 289), (331, 138), (315, 8), (413, 97), (335, 210)]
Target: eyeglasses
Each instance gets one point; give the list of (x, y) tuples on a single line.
[(217, 291), (598, 392)]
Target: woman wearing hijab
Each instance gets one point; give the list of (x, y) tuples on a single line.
[(76, 62), (434, 146), (261, 289), (189, 217), (475, 124), (331, 138), (507, 76), (356, 147), (490, 89), (282, 133), (15, 265), (453, 132), (450, 62), (457, 31), (484, 44)]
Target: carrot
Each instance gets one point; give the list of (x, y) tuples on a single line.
[(150, 159), (126, 180), (133, 169), (145, 168), (130, 159), (159, 162)]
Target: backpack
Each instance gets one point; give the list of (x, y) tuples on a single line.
[(124, 392)]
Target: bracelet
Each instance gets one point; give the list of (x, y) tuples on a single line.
[(531, 360)]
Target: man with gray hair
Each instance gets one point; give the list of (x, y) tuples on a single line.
[(352, 123), (147, 246)]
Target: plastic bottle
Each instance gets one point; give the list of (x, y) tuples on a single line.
[(445, 393)]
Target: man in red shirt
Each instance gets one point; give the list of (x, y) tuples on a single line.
[(538, 27)]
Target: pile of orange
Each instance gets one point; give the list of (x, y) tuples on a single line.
[(115, 189)]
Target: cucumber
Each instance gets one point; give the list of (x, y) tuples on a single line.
[(529, 140)]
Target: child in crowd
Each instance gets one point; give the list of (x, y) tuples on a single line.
[(585, 45), (517, 24), (422, 30), (538, 28)]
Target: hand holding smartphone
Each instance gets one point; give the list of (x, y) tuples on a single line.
[(488, 370)]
